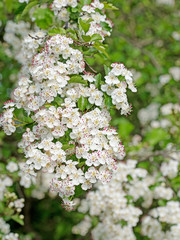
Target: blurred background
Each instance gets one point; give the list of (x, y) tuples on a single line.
[(146, 38)]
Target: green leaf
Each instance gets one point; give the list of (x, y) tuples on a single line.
[(109, 6), (145, 165), (58, 100), (72, 33), (125, 127), (156, 135), (101, 48), (86, 38), (106, 69), (81, 164), (129, 177), (162, 202), (96, 37), (82, 103), (68, 146), (105, 26), (44, 17), (17, 219), (28, 7), (98, 80), (84, 25), (55, 31), (108, 101), (85, 2), (77, 79), (89, 105), (176, 183), (9, 5), (20, 9)]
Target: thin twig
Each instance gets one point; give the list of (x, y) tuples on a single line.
[(90, 67)]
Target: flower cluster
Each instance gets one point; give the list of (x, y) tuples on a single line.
[(5, 230), (69, 135), (119, 206), (59, 7), (99, 24), (11, 208), (116, 87), (112, 204), (14, 33), (91, 14), (168, 215)]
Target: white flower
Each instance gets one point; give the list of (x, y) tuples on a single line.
[(12, 167)]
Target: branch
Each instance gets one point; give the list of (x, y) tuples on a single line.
[(90, 67)]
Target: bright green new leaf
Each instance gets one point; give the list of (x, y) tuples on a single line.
[(82, 103), (98, 80), (96, 37), (109, 6), (55, 31), (77, 79), (28, 7), (58, 100), (108, 101), (106, 69), (85, 2), (105, 26), (101, 48), (86, 38), (84, 25)]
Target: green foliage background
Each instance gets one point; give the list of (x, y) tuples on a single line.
[(142, 40)]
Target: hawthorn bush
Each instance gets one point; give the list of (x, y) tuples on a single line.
[(62, 103)]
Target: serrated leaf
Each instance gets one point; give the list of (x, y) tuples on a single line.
[(28, 7), (72, 33), (108, 101), (89, 105), (82, 103), (55, 31), (86, 38), (98, 80), (96, 37), (77, 79), (58, 100), (101, 48), (105, 26), (106, 69), (109, 6), (84, 25), (68, 146), (81, 164), (85, 2)]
